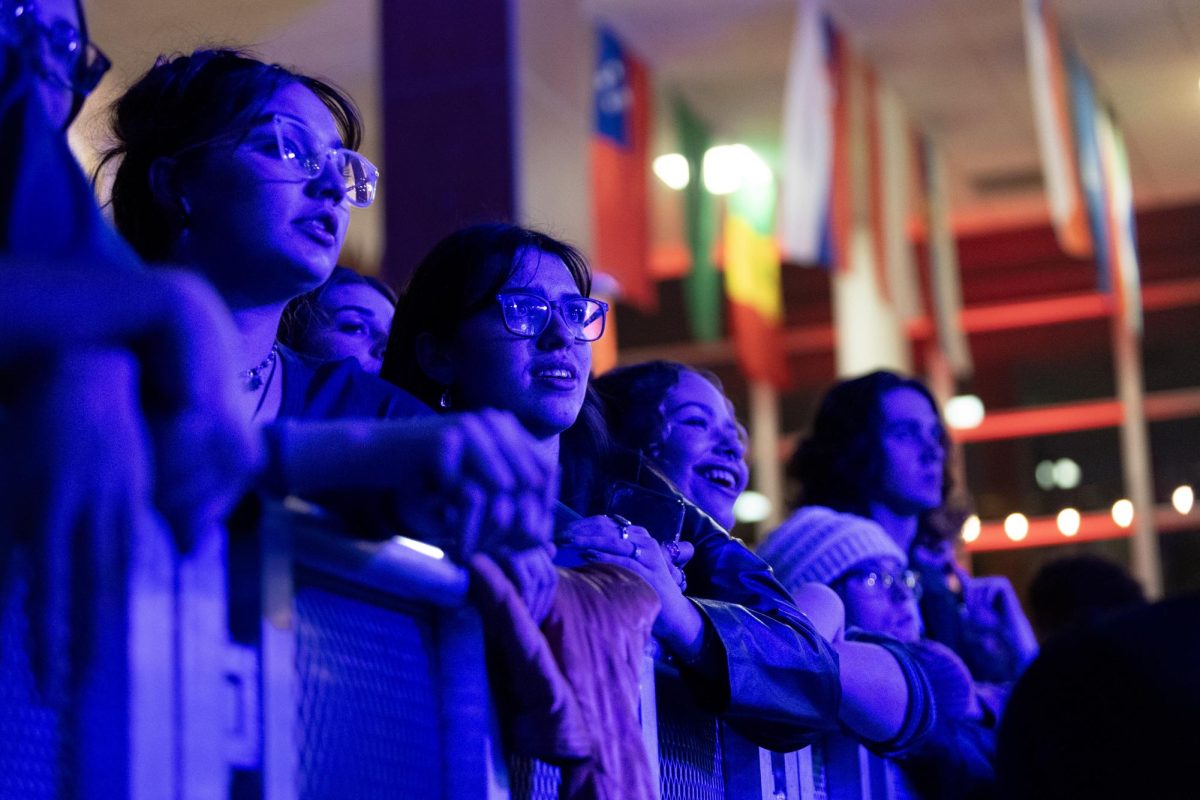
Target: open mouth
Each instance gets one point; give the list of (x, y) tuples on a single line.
[(555, 373), (322, 227), (721, 477)]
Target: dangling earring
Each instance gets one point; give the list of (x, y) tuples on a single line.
[(444, 400), (185, 213)]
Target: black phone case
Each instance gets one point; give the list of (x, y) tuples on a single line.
[(660, 514)]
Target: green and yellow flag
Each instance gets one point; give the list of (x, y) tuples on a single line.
[(752, 283)]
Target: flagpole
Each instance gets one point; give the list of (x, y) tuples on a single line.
[(1136, 469), (764, 442)]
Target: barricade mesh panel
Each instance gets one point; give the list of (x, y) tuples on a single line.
[(30, 732), (530, 779), (689, 747), (368, 713)]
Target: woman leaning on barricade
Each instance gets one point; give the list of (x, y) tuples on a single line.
[(497, 316), (677, 424), (245, 174)]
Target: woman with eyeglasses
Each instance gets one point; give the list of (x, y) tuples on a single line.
[(499, 316), (245, 173), (869, 572), (877, 449)]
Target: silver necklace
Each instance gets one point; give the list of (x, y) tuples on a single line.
[(254, 376)]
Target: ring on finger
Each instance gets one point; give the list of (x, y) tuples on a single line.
[(672, 549), (622, 523), (637, 552)]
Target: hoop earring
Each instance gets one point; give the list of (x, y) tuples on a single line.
[(444, 400)]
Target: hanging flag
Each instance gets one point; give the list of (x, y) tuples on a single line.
[(1108, 189), (896, 187), (702, 286), (943, 259), (1049, 85), (619, 171), (874, 183), (809, 139), (752, 283), (1122, 245)]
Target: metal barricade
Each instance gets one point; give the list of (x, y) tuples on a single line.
[(289, 660)]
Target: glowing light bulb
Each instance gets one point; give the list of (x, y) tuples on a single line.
[(1183, 498), (1016, 527), (1068, 522), (1043, 473), (971, 528), (722, 169), (673, 170), (751, 507), (1067, 474), (1122, 513), (964, 411)]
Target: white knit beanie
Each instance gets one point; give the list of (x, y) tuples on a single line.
[(820, 544)]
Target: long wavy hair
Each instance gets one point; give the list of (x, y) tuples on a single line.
[(840, 463)]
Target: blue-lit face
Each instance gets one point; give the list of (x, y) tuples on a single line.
[(353, 322), (912, 443), (259, 230), (701, 447), (876, 600), (541, 380)]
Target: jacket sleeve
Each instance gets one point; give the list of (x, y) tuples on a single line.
[(762, 667)]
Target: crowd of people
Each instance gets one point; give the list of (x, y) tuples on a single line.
[(211, 346)]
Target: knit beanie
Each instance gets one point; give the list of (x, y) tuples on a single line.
[(820, 544)]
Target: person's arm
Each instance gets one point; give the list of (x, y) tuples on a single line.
[(875, 690), (471, 481)]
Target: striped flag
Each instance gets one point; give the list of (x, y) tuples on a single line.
[(620, 171), (752, 283), (808, 139), (1108, 189), (943, 259), (1050, 87)]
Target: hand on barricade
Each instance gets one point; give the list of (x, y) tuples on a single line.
[(485, 484), (613, 540)]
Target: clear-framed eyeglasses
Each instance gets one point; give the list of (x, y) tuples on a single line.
[(299, 149), (879, 580), (67, 59), (302, 156), (527, 315)]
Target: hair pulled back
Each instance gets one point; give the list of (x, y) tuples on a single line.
[(457, 279), (633, 399), (306, 312), (188, 100)]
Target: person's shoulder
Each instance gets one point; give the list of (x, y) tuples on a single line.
[(316, 389)]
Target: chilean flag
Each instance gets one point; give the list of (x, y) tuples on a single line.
[(620, 152)]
